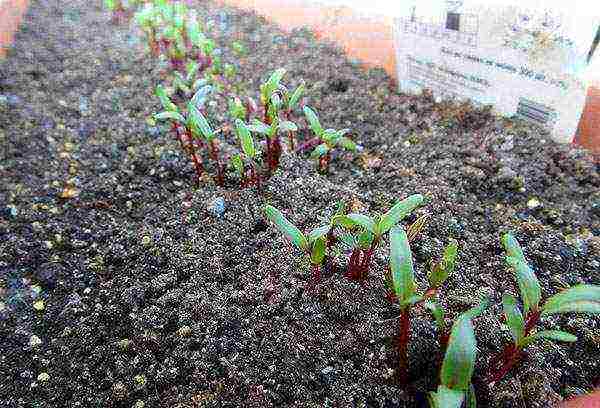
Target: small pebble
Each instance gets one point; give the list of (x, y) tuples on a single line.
[(39, 305), (43, 377), (35, 341), (217, 207), (533, 203)]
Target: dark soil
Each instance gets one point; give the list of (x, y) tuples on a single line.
[(153, 298)]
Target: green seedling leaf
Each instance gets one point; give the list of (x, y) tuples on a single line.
[(329, 136), (275, 79), (238, 48), (578, 299), (348, 240), (287, 126), (238, 164), (259, 127), (347, 144), (296, 95), (529, 286), (192, 70), (319, 151), (170, 115), (365, 239), (438, 314), (275, 102), (450, 254), (199, 98), (288, 229), (165, 100), (343, 221), (199, 121), (313, 121), (246, 139), (317, 254), (318, 233), (340, 208), (363, 220), (401, 265), (514, 318), (477, 310), (398, 212), (446, 398), (440, 271), (459, 361), (555, 335), (470, 398)]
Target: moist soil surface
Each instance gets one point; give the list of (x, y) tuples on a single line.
[(122, 284)]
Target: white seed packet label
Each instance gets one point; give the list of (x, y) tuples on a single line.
[(524, 58)]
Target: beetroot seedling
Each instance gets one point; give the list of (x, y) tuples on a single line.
[(404, 287), (270, 99), (237, 110), (249, 150), (183, 127), (457, 368), (117, 9), (578, 299), (313, 245), (328, 140), (367, 232), (187, 84), (201, 129), (271, 133), (148, 19)]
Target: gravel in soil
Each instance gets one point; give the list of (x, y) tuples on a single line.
[(122, 285)]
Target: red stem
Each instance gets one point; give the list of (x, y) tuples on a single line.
[(402, 344), (214, 154), (511, 354), (309, 144)]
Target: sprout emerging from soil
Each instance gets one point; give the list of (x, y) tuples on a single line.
[(404, 286), (457, 369), (148, 19), (270, 98), (271, 133), (313, 245), (250, 153), (328, 140), (578, 299), (117, 9), (191, 129), (369, 232), (187, 83)]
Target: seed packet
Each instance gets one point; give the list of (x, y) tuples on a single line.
[(525, 58)]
